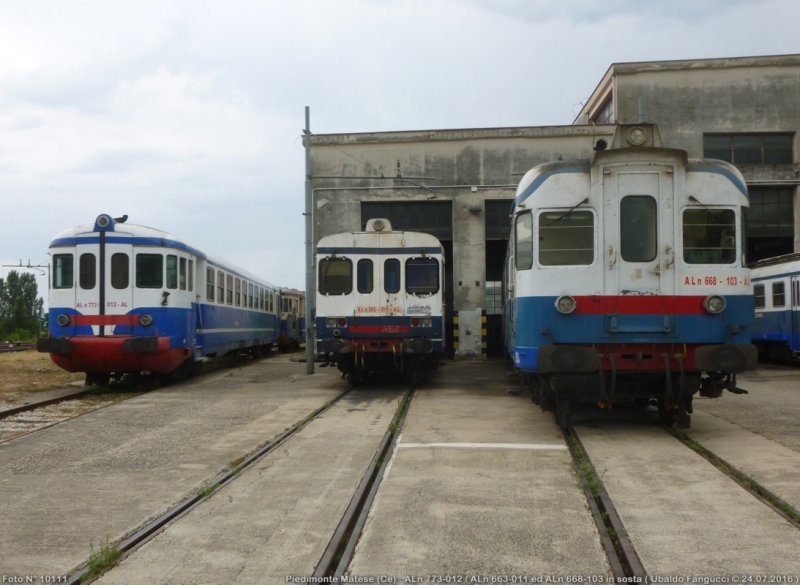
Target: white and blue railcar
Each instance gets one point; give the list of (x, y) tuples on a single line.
[(379, 301), (776, 286), (293, 319), (626, 280), (126, 298)]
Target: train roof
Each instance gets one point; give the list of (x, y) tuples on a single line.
[(146, 236), (776, 260)]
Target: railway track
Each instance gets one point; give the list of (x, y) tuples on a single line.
[(12, 347), (337, 553)]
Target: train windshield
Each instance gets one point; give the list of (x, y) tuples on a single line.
[(422, 276), (566, 239), (709, 236), (63, 267), (149, 270), (335, 276)]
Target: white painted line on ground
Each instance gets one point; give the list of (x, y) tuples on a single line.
[(524, 446)]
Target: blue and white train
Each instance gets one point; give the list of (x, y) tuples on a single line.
[(293, 319), (626, 280), (776, 285), (126, 298), (379, 302)]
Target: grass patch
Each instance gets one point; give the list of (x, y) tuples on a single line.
[(206, 489), (102, 558)]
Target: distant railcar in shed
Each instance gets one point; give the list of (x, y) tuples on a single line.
[(776, 286), (379, 301)]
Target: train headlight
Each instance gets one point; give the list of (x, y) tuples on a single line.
[(63, 320), (145, 320), (566, 304), (427, 322), (714, 304), (330, 322)]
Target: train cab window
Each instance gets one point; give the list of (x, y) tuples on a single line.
[(149, 270), (565, 238), (172, 271), (761, 300), (221, 287), (210, 284), (391, 275), (364, 277), (63, 270), (335, 276), (238, 292), (87, 275), (182, 274), (422, 276), (191, 275), (638, 224), (229, 289), (709, 236), (778, 294), (523, 241), (120, 270)]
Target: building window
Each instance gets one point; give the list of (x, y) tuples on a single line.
[(778, 294), (566, 238), (748, 149), (498, 218), (771, 212), (606, 114), (494, 297), (431, 217), (758, 291)]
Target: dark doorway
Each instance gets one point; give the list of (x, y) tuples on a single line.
[(498, 225)]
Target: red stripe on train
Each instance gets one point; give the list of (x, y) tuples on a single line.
[(104, 319), (377, 329), (639, 305)]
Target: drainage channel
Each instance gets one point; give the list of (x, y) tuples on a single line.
[(622, 556), (339, 552), (148, 531)]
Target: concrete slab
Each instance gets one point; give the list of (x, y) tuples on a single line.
[(277, 518), (104, 474), (684, 516), (510, 505)]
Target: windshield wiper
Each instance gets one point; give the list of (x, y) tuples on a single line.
[(556, 220)]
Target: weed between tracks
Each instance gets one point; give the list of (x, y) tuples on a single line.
[(101, 559)]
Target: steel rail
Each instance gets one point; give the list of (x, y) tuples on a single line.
[(149, 530), (337, 555), (41, 403), (625, 562)]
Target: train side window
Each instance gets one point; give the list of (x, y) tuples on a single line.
[(778, 294), (709, 236), (230, 289), (172, 271), (210, 284), (565, 238), (391, 275), (335, 276), (191, 275), (364, 278), (761, 300), (182, 274), (422, 276), (149, 270), (221, 287), (87, 271), (238, 295), (250, 295), (638, 225), (120, 270), (63, 270), (523, 241)]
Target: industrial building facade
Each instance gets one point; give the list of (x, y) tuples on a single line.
[(458, 185)]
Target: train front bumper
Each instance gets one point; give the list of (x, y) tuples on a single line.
[(116, 354)]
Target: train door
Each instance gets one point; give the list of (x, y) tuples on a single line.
[(87, 293), (639, 255), (795, 344), (116, 282), (367, 296)]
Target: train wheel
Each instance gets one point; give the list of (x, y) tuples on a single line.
[(563, 412)]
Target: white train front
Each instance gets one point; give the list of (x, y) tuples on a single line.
[(379, 300), (626, 280), (128, 298)]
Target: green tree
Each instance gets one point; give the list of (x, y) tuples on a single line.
[(20, 306)]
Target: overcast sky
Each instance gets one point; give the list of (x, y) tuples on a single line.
[(186, 115)]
